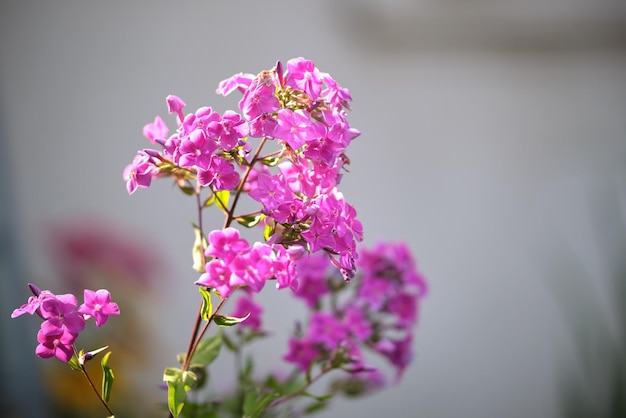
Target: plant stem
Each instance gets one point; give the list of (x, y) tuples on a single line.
[(106, 406), (229, 217), (328, 367)]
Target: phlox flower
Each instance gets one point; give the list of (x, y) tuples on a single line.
[(303, 75), (405, 309), (139, 173), (156, 130), (263, 125), (271, 191), (398, 352), (327, 329), (232, 128), (196, 150), (333, 94), (175, 105), (217, 276), (204, 119), (58, 344), (34, 302), (339, 130), (59, 312), (319, 236), (312, 272), (253, 267), (239, 82), (219, 173), (246, 305), (357, 323), (298, 177), (99, 306), (259, 99), (302, 352), (226, 244), (284, 267), (296, 128)]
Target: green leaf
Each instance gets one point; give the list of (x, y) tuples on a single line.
[(207, 305), (190, 191), (250, 220), (315, 407), (209, 201), (254, 403), (268, 231), (207, 351), (200, 243), (228, 321), (322, 398), (178, 383), (221, 198), (107, 377), (74, 363), (271, 161)]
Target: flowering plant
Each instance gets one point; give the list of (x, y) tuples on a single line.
[(283, 155)]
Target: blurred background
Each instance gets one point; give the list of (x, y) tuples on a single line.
[(493, 143)]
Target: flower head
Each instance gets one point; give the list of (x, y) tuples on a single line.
[(99, 306)]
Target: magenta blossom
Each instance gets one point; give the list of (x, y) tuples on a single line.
[(99, 306), (139, 173), (302, 352), (57, 345), (247, 306), (59, 313)]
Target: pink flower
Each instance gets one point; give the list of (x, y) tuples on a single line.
[(220, 173), (218, 277), (260, 98), (239, 82), (302, 75), (175, 105), (99, 306), (156, 130), (226, 244), (246, 305), (139, 173), (232, 128), (302, 352), (196, 150), (327, 329), (58, 344), (59, 313), (312, 285), (356, 322), (296, 128)]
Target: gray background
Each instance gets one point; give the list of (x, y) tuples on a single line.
[(493, 143)]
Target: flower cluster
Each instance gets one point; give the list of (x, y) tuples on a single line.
[(303, 111), (64, 319), (284, 151), (379, 314)]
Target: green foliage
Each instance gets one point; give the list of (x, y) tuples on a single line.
[(271, 161), (178, 383), (250, 221), (107, 377), (197, 252), (228, 321), (221, 198), (207, 351), (255, 403), (74, 364), (207, 305)]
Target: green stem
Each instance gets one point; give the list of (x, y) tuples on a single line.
[(328, 367), (93, 387), (230, 217)]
